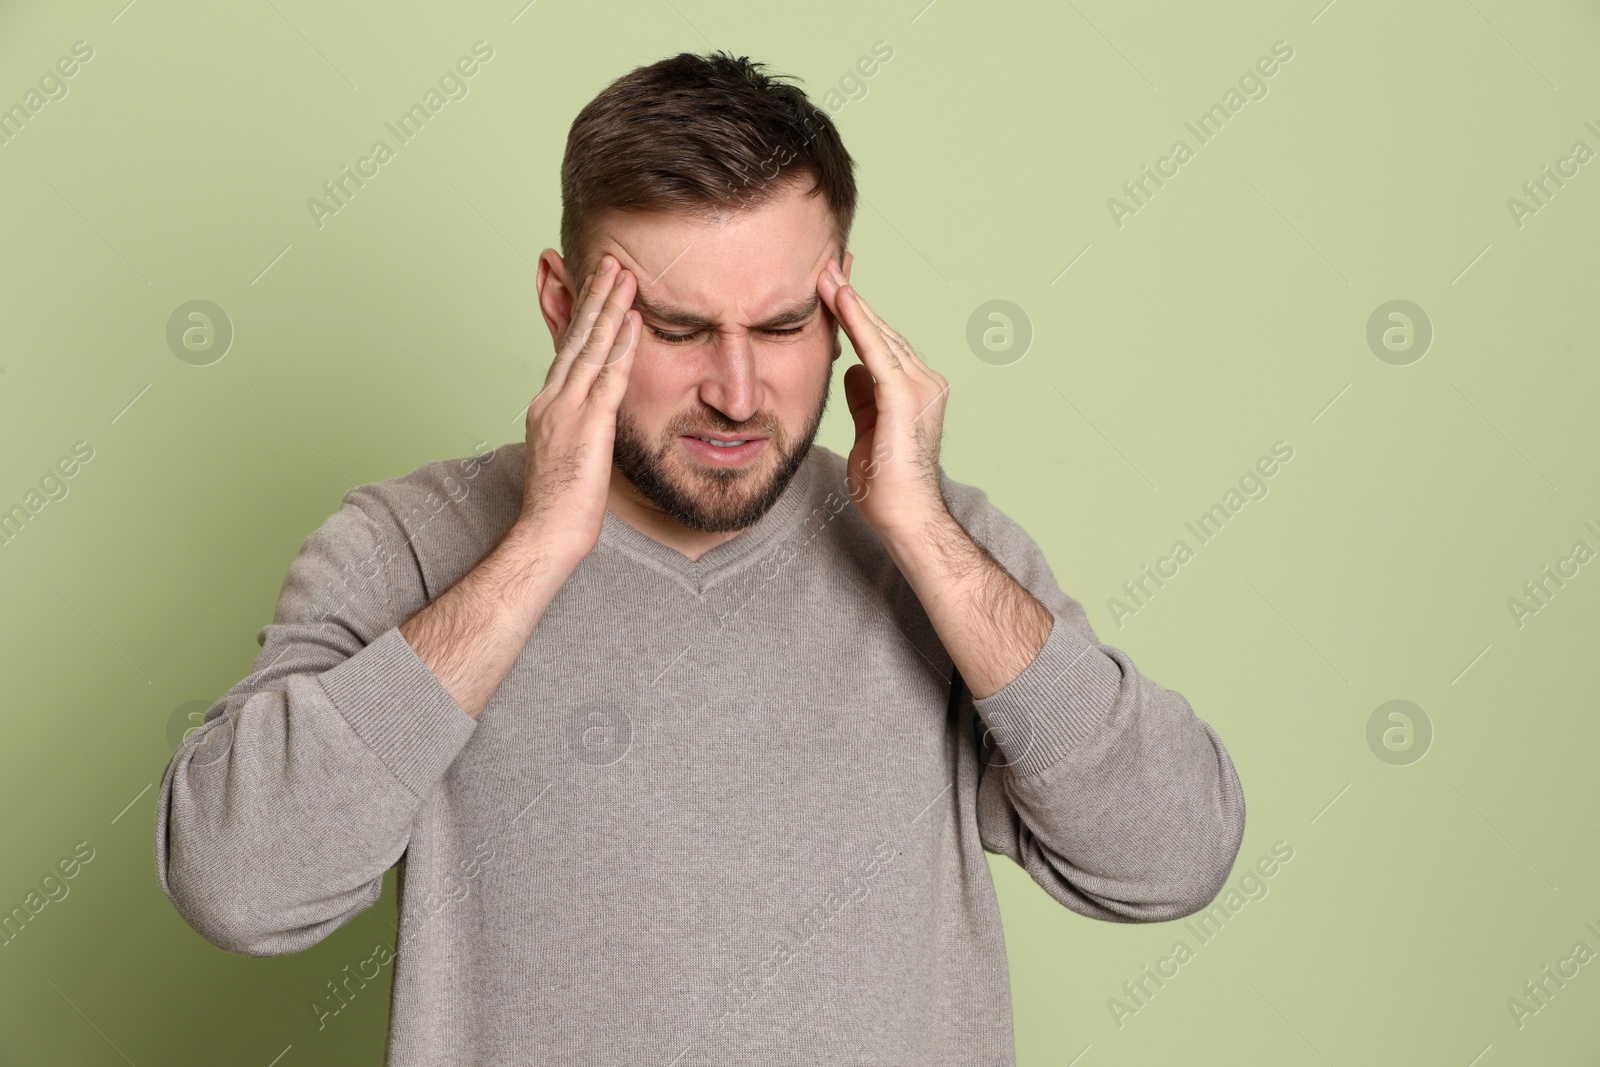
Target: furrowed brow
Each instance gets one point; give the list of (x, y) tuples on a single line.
[(672, 315)]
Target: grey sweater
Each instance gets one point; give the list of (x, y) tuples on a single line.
[(724, 811)]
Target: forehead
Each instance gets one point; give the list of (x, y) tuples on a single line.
[(736, 266)]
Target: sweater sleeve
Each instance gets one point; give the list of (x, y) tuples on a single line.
[(1101, 784), (278, 816)]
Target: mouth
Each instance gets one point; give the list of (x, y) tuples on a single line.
[(723, 450)]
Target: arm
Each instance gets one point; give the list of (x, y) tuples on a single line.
[(1110, 793), (278, 817), (1104, 786)]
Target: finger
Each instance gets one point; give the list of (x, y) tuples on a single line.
[(869, 341), (891, 336), (865, 337), (585, 314), (607, 341), (861, 396), (564, 351), (902, 348), (586, 330), (604, 341), (906, 363), (612, 380), (557, 369), (828, 288)]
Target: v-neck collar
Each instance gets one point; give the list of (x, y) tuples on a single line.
[(699, 574)]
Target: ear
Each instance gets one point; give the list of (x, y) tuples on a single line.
[(849, 257), (557, 294)]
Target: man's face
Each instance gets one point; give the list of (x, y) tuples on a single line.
[(736, 344)]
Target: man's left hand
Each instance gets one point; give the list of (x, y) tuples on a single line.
[(897, 402)]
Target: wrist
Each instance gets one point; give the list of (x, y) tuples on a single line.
[(531, 565), (533, 538), (917, 529)]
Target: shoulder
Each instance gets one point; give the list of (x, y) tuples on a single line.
[(450, 511), (395, 544)]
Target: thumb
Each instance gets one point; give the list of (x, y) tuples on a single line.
[(860, 394)]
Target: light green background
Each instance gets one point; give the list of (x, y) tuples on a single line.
[(1229, 313)]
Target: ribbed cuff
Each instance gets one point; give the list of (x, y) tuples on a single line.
[(395, 704), (1055, 702)]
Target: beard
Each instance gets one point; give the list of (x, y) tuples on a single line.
[(712, 499)]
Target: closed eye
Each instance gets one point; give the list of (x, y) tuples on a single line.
[(684, 338)]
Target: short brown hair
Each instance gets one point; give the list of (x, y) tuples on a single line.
[(702, 134)]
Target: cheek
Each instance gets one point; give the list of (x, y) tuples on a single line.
[(796, 386), (658, 386)]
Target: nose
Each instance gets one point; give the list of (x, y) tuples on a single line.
[(731, 383)]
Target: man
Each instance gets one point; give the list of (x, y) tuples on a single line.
[(687, 736)]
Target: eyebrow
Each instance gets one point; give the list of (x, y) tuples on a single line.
[(672, 315)]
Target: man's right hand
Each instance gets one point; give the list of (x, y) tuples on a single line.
[(572, 423), (470, 636)]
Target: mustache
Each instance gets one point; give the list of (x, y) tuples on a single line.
[(714, 422)]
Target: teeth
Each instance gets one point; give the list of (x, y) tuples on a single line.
[(720, 444)]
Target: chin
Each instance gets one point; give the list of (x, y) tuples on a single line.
[(720, 500)]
